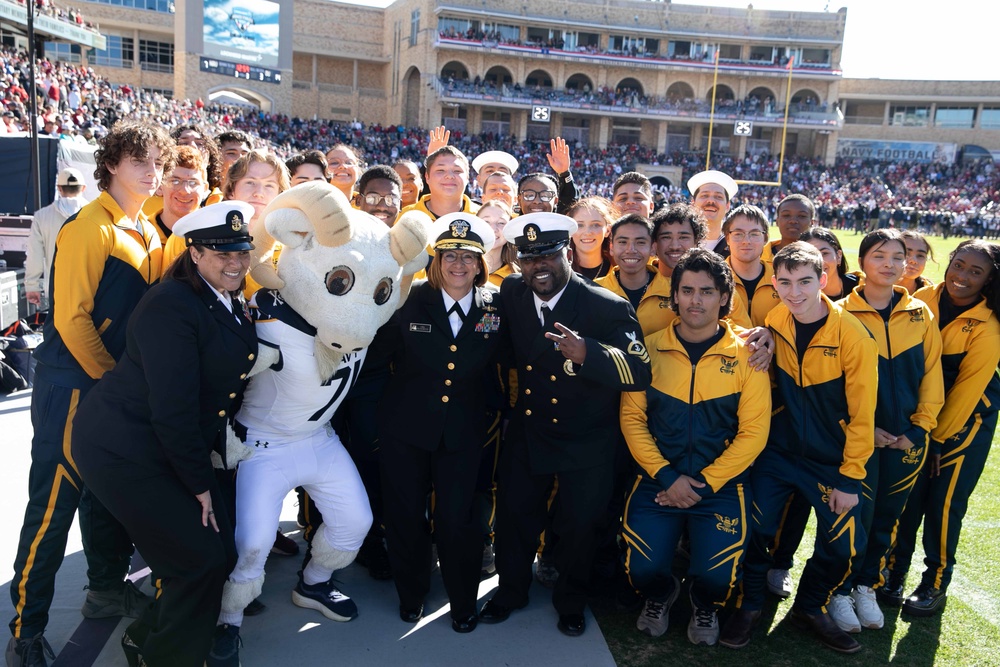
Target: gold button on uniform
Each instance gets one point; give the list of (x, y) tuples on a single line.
[(232, 395), (527, 413), (552, 377), (453, 348), (555, 421), (554, 401), (451, 367), (251, 357), (447, 383), (243, 376), (527, 392), (222, 413), (527, 368), (444, 399)]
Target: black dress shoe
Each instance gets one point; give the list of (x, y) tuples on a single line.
[(738, 630), (925, 601), (411, 615), (572, 625), (494, 612), (826, 629), (465, 624), (891, 593)]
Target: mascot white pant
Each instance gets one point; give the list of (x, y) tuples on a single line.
[(321, 465)]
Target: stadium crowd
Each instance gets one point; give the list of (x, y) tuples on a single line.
[(642, 418), (959, 198)]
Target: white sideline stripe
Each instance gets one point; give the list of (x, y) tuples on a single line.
[(984, 603)]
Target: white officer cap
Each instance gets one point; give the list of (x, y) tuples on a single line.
[(462, 231), (223, 226), (537, 234), (712, 176), (495, 157)]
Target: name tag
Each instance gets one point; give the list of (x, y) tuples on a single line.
[(420, 328)]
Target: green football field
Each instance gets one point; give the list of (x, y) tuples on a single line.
[(966, 634)]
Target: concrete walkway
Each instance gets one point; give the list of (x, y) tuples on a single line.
[(285, 634)]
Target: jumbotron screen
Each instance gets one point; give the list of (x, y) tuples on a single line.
[(242, 31)]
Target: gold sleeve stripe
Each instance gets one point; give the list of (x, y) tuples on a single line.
[(624, 372)]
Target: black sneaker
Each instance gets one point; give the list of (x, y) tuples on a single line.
[(30, 652), (225, 647), (325, 598)]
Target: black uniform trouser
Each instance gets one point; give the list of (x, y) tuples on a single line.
[(486, 488), (580, 507), (54, 495), (190, 560), (408, 475)]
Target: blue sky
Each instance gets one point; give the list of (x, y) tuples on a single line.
[(891, 39)]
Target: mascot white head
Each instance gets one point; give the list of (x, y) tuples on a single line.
[(344, 271)]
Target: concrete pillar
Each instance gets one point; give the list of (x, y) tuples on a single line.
[(697, 132), (520, 118), (354, 81), (556, 125), (603, 132), (661, 137), (315, 69), (885, 115), (830, 153)]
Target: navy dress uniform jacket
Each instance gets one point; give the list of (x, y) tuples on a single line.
[(166, 403), (567, 415), (444, 388)]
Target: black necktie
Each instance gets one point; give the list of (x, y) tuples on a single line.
[(546, 316), (237, 309), (457, 309)]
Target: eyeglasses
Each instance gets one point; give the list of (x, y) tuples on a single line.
[(452, 257), (740, 237), (544, 195), (374, 199), (190, 183)]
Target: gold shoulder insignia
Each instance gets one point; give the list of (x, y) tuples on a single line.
[(637, 349)]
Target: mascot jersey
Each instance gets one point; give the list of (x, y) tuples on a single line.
[(289, 400)]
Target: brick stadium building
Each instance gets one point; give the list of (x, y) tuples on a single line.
[(594, 71)]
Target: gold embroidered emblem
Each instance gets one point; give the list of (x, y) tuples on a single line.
[(531, 232), (729, 367), (459, 229), (826, 491), (726, 524), (236, 221), (912, 456)]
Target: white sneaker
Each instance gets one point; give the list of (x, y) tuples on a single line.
[(866, 606), (841, 610), (779, 582)]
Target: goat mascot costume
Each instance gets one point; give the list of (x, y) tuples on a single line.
[(340, 276)]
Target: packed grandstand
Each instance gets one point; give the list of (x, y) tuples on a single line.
[(960, 198)]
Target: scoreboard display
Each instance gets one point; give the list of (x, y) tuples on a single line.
[(240, 70)]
